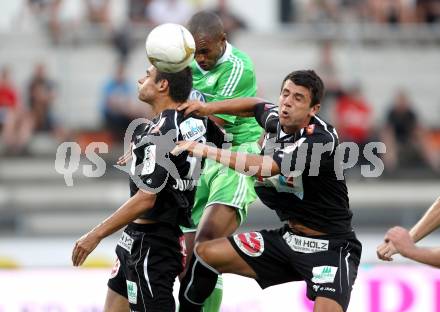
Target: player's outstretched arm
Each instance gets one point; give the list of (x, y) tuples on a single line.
[(428, 223), (243, 107), (248, 164), (404, 244), (128, 212)]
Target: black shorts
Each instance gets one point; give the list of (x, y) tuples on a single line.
[(328, 263), (149, 258)]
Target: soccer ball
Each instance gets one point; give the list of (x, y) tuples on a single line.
[(170, 47)]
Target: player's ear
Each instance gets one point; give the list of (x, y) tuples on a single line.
[(315, 109), (163, 85)]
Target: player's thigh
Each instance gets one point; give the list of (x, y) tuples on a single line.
[(233, 189), (218, 220), (220, 255), (114, 302), (323, 304)]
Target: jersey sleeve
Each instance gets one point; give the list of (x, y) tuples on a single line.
[(313, 152), (234, 83), (266, 115)]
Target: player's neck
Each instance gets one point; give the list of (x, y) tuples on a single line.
[(295, 128), (164, 104)]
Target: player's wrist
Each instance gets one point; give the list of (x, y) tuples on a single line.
[(409, 252)]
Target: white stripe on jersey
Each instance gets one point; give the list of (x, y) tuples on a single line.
[(235, 77), (177, 126), (238, 77), (231, 75), (326, 129)]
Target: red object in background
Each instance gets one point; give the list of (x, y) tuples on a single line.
[(353, 119), (8, 97)]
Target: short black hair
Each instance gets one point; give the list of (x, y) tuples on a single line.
[(207, 24), (180, 83), (310, 80)]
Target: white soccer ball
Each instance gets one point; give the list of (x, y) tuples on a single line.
[(170, 47)]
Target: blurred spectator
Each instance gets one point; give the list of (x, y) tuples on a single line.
[(231, 22), (286, 11), (354, 10), (138, 11), (118, 104), (326, 68), (169, 11), (54, 20), (405, 138), (14, 123), (428, 11), (322, 11), (46, 12), (392, 11), (122, 42), (353, 118), (98, 11), (41, 92)]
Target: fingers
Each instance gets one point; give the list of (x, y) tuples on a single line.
[(79, 254), (182, 146), (124, 159), (190, 107), (384, 252), (183, 106)]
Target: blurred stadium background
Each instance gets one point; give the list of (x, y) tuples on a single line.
[(68, 73)]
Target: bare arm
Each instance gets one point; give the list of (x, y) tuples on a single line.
[(428, 223), (404, 244), (248, 164), (429, 256), (243, 107), (128, 212)]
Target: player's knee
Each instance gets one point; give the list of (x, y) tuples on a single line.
[(202, 250)]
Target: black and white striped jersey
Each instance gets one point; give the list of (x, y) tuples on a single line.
[(154, 169), (308, 189)]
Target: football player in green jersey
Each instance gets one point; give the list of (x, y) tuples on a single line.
[(221, 71)]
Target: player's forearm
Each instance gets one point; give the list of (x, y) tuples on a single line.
[(428, 223), (128, 212), (248, 164), (430, 256), (243, 107)]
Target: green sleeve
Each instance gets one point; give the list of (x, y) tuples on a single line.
[(235, 83)]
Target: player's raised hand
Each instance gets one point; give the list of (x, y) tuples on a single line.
[(385, 251), (83, 247), (194, 107)]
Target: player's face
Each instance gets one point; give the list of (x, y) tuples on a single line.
[(208, 51), (147, 88), (294, 106)]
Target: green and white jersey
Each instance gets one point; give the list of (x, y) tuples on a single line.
[(232, 77)]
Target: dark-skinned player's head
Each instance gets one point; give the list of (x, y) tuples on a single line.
[(300, 99), (209, 35)]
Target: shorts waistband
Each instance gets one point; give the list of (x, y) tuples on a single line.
[(344, 235), (154, 227)]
